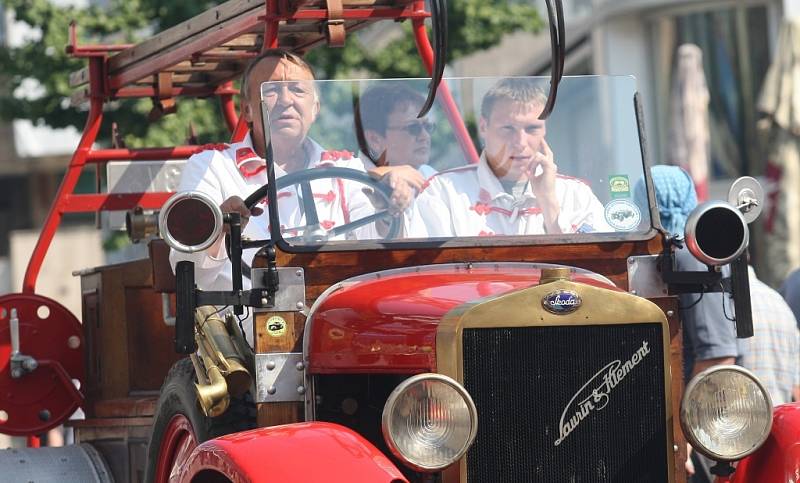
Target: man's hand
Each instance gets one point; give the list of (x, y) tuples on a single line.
[(234, 204), (689, 464), (544, 186), (405, 182), (407, 173)]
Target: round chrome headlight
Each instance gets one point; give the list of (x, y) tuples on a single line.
[(429, 422), (726, 413), (190, 221)]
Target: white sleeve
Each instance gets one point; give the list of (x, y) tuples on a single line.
[(429, 215), (585, 210), (199, 175)]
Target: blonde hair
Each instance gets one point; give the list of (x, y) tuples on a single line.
[(516, 89)]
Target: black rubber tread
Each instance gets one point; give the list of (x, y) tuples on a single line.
[(178, 396)]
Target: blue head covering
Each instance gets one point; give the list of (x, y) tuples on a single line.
[(675, 196)]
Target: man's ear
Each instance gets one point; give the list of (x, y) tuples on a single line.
[(315, 111), (375, 141), (483, 126)]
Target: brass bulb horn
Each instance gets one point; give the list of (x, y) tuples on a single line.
[(220, 368)]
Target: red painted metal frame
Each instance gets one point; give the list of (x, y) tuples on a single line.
[(96, 50), (444, 96), (96, 74), (68, 202), (283, 453), (229, 108)]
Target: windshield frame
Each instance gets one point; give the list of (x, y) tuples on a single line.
[(464, 241)]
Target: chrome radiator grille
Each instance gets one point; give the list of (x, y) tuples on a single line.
[(567, 403)]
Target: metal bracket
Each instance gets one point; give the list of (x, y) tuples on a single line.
[(644, 277), (291, 294), (280, 377), (21, 364)]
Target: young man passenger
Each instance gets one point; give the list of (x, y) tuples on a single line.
[(515, 188), (232, 172)]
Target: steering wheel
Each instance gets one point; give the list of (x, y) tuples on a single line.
[(313, 231)]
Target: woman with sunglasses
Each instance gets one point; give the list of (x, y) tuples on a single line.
[(396, 140)]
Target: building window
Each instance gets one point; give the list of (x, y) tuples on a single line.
[(735, 42)]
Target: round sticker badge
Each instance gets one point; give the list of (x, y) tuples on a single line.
[(276, 326), (623, 215)]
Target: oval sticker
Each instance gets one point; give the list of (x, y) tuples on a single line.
[(276, 326), (623, 215), (561, 302)]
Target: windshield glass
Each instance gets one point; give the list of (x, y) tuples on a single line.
[(353, 161)]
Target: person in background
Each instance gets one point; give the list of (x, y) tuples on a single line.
[(709, 337), (773, 353), (790, 290)]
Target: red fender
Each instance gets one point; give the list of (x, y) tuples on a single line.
[(301, 453), (778, 460)]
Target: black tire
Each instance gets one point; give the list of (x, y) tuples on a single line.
[(178, 397)]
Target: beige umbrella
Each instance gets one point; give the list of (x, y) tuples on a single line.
[(780, 131), (689, 134)]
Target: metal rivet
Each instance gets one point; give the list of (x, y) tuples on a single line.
[(299, 273), (271, 390), (300, 305), (675, 448), (301, 390), (270, 365), (670, 313), (264, 301), (74, 342), (300, 366)]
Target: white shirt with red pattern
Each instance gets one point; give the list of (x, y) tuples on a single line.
[(236, 170), (471, 201)]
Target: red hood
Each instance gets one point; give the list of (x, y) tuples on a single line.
[(386, 321)]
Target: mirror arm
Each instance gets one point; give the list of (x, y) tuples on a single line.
[(737, 285), (680, 282), (233, 243)]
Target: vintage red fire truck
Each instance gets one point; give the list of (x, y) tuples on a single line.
[(385, 347)]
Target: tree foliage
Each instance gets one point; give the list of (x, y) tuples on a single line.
[(473, 25)]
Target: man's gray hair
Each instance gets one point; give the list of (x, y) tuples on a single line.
[(515, 89), (271, 54)]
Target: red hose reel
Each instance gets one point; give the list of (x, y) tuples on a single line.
[(41, 364)]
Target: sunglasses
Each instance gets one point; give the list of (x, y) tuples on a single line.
[(414, 128)]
